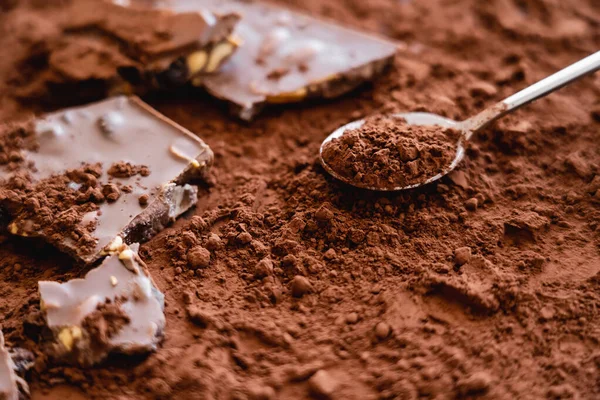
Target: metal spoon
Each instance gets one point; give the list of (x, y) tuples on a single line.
[(470, 126)]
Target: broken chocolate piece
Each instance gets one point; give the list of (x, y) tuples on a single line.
[(61, 189), (102, 48), (116, 308), (288, 57), (11, 385)]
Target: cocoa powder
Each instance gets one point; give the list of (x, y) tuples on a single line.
[(392, 310), (387, 153)]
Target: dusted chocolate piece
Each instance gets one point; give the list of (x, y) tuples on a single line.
[(288, 57), (101, 48), (116, 308), (12, 387), (82, 176)]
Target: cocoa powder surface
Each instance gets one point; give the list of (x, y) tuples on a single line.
[(387, 153), (285, 283)]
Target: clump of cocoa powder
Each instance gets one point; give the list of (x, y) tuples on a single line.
[(387, 152), (126, 170)]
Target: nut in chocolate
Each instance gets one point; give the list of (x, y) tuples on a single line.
[(115, 308), (288, 57)]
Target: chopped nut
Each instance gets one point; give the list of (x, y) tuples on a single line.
[(196, 61), (68, 336), (126, 254), (218, 54), (287, 97), (127, 258), (13, 228), (176, 152), (114, 281), (116, 244)]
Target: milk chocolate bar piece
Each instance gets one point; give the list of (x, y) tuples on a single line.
[(12, 386), (289, 57), (116, 308), (103, 48), (92, 173)]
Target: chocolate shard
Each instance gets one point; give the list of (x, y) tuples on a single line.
[(12, 386), (289, 57), (83, 176), (115, 308), (100, 48)]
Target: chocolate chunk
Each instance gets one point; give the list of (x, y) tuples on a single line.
[(63, 192), (11, 385), (116, 308), (289, 57), (101, 48)]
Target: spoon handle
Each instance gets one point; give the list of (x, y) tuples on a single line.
[(547, 85)]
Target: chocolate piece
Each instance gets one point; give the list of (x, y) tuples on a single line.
[(101, 48), (288, 57), (83, 170), (116, 308), (11, 385)]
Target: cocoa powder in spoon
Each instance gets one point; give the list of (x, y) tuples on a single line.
[(387, 152)]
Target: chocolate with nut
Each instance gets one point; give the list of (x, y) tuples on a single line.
[(115, 308), (288, 57), (78, 178), (101, 48)]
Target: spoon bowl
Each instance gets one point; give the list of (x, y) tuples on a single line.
[(468, 127), (413, 118)]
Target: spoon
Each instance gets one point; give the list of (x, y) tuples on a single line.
[(468, 127)]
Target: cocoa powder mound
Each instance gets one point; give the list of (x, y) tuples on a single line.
[(483, 285), (387, 152)]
